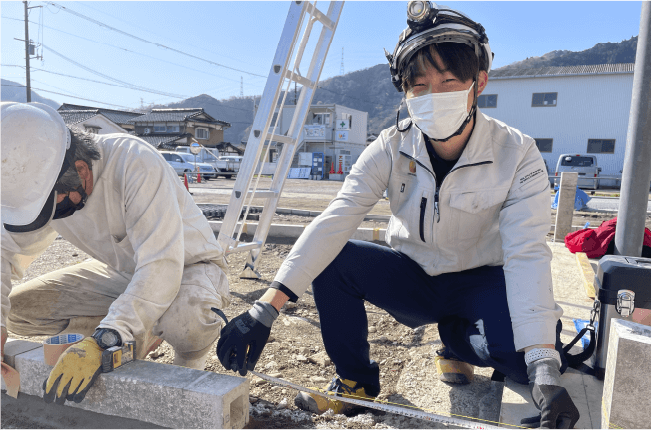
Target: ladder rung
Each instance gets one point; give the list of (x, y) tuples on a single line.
[(299, 79), (316, 13), (243, 247), (282, 139), (263, 194)]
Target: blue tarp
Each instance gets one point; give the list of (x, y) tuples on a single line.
[(580, 201)]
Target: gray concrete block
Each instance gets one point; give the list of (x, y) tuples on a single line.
[(627, 383), (14, 347), (161, 394), (300, 212), (565, 210)]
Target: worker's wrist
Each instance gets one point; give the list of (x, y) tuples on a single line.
[(291, 296), (264, 312), (276, 297)]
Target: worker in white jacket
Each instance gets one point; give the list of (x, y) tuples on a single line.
[(156, 268), (470, 207)]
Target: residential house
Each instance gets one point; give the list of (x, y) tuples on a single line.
[(97, 120), (166, 129)]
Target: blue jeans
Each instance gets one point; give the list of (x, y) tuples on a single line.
[(470, 308)]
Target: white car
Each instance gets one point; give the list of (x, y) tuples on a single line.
[(177, 162), (207, 171)]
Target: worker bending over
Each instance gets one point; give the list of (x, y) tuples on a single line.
[(156, 269)]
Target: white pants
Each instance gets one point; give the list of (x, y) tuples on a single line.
[(46, 305)]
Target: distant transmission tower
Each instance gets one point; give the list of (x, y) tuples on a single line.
[(341, 69), (241, 86)]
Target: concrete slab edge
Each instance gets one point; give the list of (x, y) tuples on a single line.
[(149, 392), (587, 273)]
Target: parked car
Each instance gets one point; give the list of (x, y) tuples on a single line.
[(177, 162), (225, 165), (584, 165), (207, 171)]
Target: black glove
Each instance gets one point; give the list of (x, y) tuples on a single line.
[(557, 410), (242, 340)]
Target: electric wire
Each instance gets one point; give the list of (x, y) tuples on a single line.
[(68, 95), (160, 45)]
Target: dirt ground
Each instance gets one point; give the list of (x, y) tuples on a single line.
[(295, 350)]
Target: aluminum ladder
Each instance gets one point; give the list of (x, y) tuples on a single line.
[(283, 69)]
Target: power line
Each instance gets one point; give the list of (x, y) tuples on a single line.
[(88, 69), (68, 95), (127, 50), (160, 45)]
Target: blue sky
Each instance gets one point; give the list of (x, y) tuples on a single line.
[(243, 35)]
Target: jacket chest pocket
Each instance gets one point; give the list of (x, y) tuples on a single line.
[(474, 213), (416, 214)]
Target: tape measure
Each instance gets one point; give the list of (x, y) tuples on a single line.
[(117, 356), (412, 413)]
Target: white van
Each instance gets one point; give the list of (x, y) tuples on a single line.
[(584, 164)]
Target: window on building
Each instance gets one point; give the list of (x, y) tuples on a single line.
[(320, 119), (274, 119), (544, 145), (349, 117), (202, 133), (160, 128), (601, 146), (172, 128), (487, 101), (544, 99)]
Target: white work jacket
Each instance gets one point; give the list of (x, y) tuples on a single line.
[(139, 220), (493, 208)]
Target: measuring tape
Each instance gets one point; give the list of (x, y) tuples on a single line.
[(412, 413)]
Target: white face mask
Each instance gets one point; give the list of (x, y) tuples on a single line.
[(439, 115)]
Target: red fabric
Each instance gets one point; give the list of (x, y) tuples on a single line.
[(595, 242)]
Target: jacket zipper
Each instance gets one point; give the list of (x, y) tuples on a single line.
[(423, 205)]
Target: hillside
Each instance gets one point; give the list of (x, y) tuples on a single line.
[(15, 92), (601, 53)]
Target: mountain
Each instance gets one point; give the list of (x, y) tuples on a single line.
[(15, 92), (601, 53), (371, 90)]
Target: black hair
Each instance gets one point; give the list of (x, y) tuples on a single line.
[(86, 151), (460, 60)]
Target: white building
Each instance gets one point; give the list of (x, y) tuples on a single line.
[(574, 109), (335, 130)]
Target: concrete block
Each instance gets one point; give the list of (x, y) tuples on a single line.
[(15, 347), (300, 212), (565, 210), (370, 234), (587, 272), (286, 230), (627, 383), (284, 211), (584, 390), (161, 394)]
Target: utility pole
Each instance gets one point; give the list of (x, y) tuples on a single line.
[(636, 174), (241, 86), (29, 84)]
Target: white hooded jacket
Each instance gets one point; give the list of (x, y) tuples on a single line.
[(140, 220), (493, 208)]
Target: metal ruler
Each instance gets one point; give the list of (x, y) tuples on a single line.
[(412, 413)]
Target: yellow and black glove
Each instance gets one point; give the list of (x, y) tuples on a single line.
[(75, 372)]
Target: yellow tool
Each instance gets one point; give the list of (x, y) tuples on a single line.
[(116, 356)]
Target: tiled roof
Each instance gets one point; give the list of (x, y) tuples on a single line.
[(177, 115), (119, 117), (159, 140), (598, 69), (75, 117)]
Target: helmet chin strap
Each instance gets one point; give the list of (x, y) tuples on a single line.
[(398, 119)]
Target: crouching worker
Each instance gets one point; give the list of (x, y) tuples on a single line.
[(470, 204), (156, 270)]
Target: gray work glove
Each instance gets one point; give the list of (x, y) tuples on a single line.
[(242, 340), (557, 410)]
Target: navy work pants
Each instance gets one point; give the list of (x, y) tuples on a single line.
[(470, 308)]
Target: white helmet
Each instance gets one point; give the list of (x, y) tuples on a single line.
[(34, 144), (429, 23)]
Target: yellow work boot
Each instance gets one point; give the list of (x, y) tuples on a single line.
[(451, 369), (339, 387)]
